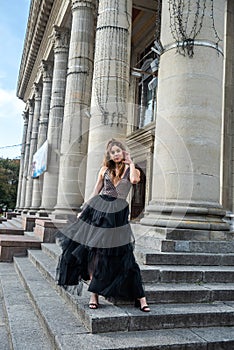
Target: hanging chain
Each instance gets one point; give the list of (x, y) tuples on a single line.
[(218, 39), (180, 20)]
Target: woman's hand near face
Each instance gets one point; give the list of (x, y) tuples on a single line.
[(134, 173), (127, 158)]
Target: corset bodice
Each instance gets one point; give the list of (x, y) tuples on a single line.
[(122, 188)]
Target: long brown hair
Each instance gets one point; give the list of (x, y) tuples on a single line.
[(109, 163)]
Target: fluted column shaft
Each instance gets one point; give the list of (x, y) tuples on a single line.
[(77, 101), (47, 73), (27, 152), (50, 182), (33, 143), (110, 82), (22, 159), (186, 170)]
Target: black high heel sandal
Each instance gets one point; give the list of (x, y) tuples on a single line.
[(145, 308)]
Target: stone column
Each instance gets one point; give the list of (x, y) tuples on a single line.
[(228, 116), (110, 82), (30, 108), (50, 183), (22, 159), (186, 170), (33, 143), (47, 72), (77, 101)]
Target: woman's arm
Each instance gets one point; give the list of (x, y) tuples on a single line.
[(99, 184), (134, 173)]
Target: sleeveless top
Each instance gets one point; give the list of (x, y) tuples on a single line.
[(122, 188)]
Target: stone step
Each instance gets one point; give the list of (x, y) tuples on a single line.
[(11, 228), (23, 324), (15, 245), (55, 312), (189, 293), (7, 228), (210, 338), (109, 318), (170, 273), (9, 224), (5, 341), (217, 247), (150, 257), (17, 222)]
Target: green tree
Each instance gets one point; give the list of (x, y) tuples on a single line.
[(9, 173)]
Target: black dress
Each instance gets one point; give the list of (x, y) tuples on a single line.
[(100, 244)]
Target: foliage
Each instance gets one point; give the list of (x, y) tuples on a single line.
[(9, 172)]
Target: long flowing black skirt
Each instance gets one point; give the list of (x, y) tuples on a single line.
[(98, 247)]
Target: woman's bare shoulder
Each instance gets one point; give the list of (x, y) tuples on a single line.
[(102, 170)]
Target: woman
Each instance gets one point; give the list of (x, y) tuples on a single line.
[(99, 245)]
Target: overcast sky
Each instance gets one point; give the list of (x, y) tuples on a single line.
[(13, 22)]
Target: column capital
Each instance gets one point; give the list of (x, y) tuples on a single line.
[(76, 4), (47, 70), (30, 104), (37, 89), (25, 117), (60, 38)]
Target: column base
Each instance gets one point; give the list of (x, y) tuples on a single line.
[(65, 214), (181, 220), (43, 212), (25, 211), (32, 211)]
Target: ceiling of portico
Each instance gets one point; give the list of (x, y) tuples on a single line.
[(143, 24), (145, 5)]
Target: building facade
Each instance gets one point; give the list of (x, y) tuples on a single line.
[(155, 74)]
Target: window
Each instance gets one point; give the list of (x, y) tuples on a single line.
[(147, 88)]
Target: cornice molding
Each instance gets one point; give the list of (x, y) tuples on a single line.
[(38, 17), (59, 11)]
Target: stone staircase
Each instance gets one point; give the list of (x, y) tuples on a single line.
[(12, 226), (191, 297), (14, 241)]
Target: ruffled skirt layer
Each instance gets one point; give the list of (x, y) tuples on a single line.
[(99, 247)]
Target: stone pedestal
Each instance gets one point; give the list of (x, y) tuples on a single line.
[(28, 222), (45, 230), (50, 183), (11, 245), (186, 170), (72, 169), (110, 83)]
